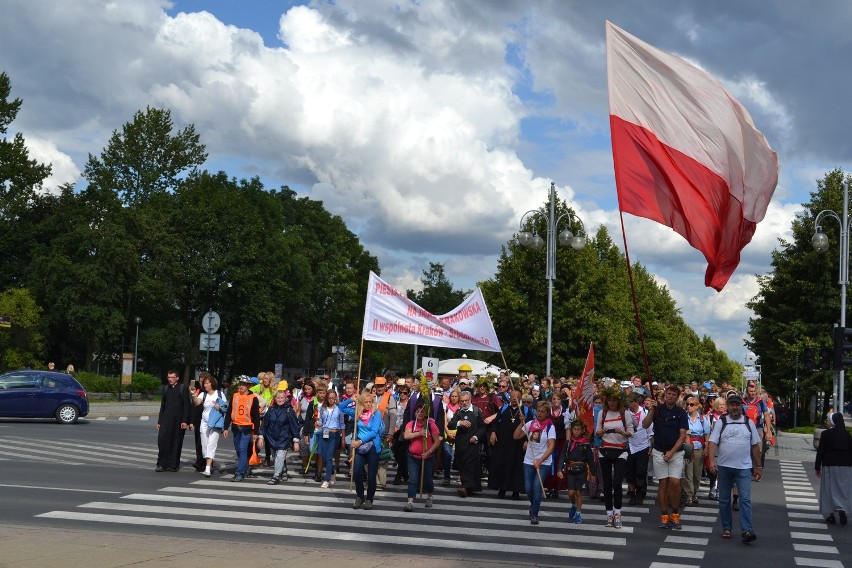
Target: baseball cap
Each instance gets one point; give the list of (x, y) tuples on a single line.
[(439, 390), (464, 381), (380, 381), (400, 382), (735, 398), (245, 379)]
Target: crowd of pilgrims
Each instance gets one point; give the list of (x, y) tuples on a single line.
[(521, 435)]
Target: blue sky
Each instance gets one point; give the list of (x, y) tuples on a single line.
[(430, 127)]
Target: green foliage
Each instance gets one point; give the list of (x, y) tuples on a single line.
[(21, 345), (143, 382), (94, 382), (799, 300)]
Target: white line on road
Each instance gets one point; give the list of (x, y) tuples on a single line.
[(670, 565), (300, 532), (148, 418), (681, 553), (803, 525), (101, 418), (671, 539), (810, 536), (58, 488), (122, 418), (815, 548), (818, 562)]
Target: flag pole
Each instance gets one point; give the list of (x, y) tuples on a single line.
[(635, 303), (355, 416)]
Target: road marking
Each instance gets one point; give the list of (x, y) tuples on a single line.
[(670, 565), (802, 525), (18, 456), (681, 552), (66, 448), (818, 562), (815, 548), (101, 418), (799, 493), (801, 499), (122, 418), (401, 540), (144, 418), (810, 536), (59, 488), (671, 539), (794, 515), (393, 513)]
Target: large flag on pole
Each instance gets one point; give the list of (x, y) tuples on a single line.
[(392, 317), (687, 154), (585, 394)]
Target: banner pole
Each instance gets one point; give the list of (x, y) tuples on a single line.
[(355, 416)]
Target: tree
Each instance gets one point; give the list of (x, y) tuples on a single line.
[(437, 295), (798, 300), (20, 177), (146, 159), (20, 345)]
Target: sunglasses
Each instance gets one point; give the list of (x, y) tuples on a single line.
[(692, 404)]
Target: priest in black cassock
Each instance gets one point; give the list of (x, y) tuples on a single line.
[(507, 453), (470, 433), (172, 422)]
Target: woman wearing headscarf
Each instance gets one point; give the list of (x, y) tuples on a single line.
[(541, 441), (834, 468)]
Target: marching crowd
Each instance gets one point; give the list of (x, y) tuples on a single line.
[(524, 435)]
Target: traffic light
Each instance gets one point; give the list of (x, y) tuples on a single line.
[(810, 359), (826, 356), (842, 355)]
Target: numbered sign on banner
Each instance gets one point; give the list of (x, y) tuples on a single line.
[(430, 366)]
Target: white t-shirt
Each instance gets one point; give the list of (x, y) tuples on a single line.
[(641, 438), (207, 404), (734, 449), (538, 444)]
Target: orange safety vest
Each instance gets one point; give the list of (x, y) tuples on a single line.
[(383, 405), (241, 409)]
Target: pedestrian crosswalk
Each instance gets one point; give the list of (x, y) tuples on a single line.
[(298, 508)]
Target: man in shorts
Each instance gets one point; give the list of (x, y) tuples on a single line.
[(671, 425)]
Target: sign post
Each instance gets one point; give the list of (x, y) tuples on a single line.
[(210, 324)]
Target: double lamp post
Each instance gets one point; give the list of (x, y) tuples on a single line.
[(566, 237)]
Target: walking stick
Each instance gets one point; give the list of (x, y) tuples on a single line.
[(355, 417)]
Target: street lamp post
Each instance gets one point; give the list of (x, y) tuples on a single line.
[(136, 348), (820, 244), (533, 241)]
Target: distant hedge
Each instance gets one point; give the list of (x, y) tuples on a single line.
[(142, 382)]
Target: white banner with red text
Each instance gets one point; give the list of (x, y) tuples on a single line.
[(392, 317)]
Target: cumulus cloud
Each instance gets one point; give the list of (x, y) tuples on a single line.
[(63, 168)]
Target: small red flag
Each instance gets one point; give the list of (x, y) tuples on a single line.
[(585, 396)]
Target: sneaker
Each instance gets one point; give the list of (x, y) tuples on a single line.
[(578, 518), (429, 503), (237, 477), (749, 537), (368, 505), (609, 520), (533, 520), (675, 521), (843, 518), (273, 481), (664, 521), (408, 507), (616, 523), (207, 473), (324, 485), (572, 512), (159, 468), (358, 503)]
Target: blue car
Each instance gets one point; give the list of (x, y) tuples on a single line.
[(42, 394)]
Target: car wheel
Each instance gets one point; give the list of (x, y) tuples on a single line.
[(67, 414)]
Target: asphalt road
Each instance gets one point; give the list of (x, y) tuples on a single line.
[(98, 475)]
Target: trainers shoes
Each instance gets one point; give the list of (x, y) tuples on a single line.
[(572, 512), (324, 485), (578, 518), (429, 503), (609, 520), (664, 521), (408, 507), (674, 521), (616, 522), (533, 520), (749, 537), (237, 477), (843, 518), (368, 505), (358, 503)]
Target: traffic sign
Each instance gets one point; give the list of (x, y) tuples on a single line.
[(211, 322), (210, 341)]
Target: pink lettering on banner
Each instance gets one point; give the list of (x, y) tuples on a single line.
[(463, 314), (386, 290), (416, 311)]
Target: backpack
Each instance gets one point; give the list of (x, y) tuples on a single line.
[(724, 419), (752, 410)]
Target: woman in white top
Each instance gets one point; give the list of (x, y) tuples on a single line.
[(210, 399), (541, 441), (614, 429), (450, 408), (699, 429)]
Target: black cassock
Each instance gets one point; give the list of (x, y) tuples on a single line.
[(507, 455), (174, 409), (467, 453)]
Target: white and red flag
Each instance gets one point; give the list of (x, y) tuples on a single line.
[(585, 393), (687, 154), (390, 316)]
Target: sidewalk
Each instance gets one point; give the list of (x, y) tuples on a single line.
[(130, 408), (29, 547), (789, 446)]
